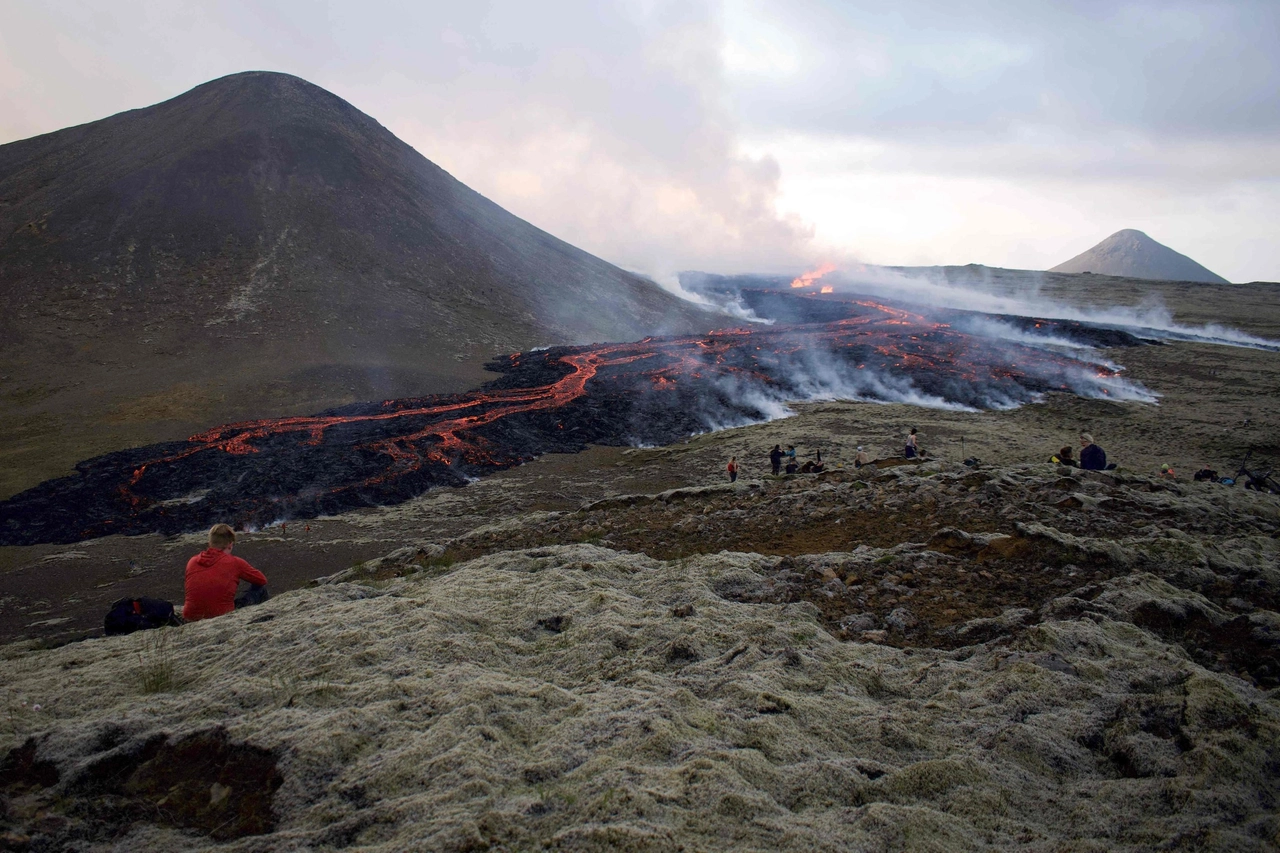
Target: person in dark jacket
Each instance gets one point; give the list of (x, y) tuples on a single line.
[(213, 576), (1206, 474), (775, 459), (1092, 457)]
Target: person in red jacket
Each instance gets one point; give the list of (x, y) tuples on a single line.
[(213, 575)]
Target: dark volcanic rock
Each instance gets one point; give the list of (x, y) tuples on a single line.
[(785, 307), (360, 455), (203, 782), (653, 391)]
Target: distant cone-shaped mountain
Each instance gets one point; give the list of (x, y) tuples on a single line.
[(259, 246), (1132, 254)]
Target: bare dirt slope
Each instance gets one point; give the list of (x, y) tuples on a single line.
[(259, 247)]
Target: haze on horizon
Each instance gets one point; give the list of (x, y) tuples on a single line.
[(755, 136)]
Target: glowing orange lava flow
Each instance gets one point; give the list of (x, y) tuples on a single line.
[(652, 391), (450, 426), (461, 417)]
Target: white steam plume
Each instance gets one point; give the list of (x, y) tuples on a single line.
[(1151, 319), (729, 305)]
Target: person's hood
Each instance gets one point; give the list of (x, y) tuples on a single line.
[(209, 556)]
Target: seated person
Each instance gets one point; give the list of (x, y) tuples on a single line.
[(814, 465), (1092, 457), (214, 574), (792, 467), (1166, 472), (862, 458), (1206, 473), (1064, 457)]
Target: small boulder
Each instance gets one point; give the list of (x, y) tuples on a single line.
[(952, 541), (856, 623), (1001, 547), (901, 619)]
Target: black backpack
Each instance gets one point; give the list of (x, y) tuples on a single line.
[(139, 614)]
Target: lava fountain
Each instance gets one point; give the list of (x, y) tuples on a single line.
[(652, 391), (806, 279)]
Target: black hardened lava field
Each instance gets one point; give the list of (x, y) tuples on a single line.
[(653, 391)]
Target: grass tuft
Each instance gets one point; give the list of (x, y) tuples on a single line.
[(157, 670)]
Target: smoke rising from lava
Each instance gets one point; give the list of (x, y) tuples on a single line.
[(1151, 319), (653, 391), (728, 304)]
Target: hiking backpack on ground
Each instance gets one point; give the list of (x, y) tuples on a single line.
[(139, 614)]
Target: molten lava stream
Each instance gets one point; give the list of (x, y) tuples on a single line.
[(235, 438)]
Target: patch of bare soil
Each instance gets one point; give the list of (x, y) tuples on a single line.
[(202, 782)]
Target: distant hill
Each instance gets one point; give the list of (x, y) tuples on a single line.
[(258, 246), (1132, 254)]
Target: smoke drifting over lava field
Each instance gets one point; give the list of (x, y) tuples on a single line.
[(654, 391)]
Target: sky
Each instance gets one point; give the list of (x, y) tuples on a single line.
[(754, 136)]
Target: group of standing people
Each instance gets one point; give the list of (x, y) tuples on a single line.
[(785, 461), (776, 457)]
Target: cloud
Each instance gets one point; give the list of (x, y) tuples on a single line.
[(927, 69), (613, 134), (1020, 134)]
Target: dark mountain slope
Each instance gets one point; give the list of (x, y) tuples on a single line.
[(1132, 254), (258, 246)]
